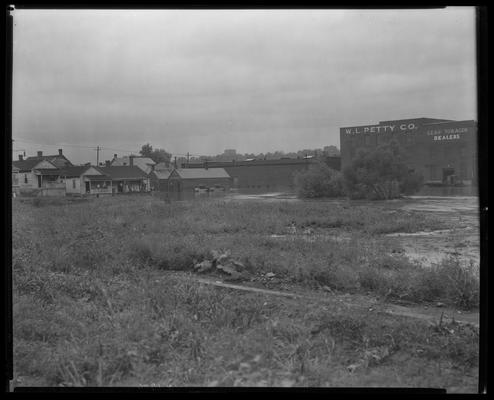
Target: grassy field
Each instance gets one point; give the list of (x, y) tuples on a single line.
[(90, 307)]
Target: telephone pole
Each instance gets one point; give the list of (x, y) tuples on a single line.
[(97, 156)]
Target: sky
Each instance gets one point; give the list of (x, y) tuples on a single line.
[(201, 81)]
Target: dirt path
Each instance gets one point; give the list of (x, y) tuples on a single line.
[(372, 305)]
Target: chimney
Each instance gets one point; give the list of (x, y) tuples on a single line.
[(114, 156), (60, 152), (40, 153), (20, 157), (131, 161), (107, 163)]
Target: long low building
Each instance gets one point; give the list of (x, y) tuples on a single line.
[(183, 180), (442, 151), (264, 175)]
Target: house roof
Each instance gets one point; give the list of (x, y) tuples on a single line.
[(201, 173), (57, 159), (162, 173), (123, 172), (28, 164)]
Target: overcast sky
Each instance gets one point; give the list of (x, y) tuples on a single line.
[(256, 81)]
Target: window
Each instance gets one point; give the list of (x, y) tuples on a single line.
[(25, 178), (73, 183)]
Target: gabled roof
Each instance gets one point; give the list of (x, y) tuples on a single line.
[(201, 173), (28, 164), (58, 160), (123, 172), (162, 173)]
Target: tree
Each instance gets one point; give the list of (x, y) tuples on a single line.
[(146, 150), (157, 155), (319, 180), (380, 174)]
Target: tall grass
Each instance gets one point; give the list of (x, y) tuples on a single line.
[(91, 307)]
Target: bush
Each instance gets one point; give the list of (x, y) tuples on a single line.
[(380, 174), (319, 181)]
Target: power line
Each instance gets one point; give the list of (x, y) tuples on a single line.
[(99, 148)]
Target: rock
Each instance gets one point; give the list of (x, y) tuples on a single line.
[(238, 266), (204, 266), (439, 304), (327, 289), (226, 269), (353, 367), (270, 275)]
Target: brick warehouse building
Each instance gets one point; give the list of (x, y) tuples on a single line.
[(443, 151), (265, 175)]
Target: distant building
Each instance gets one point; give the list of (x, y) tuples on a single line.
[(85, 180), (443, 151), (186, 180), (144, 163), (15, 181), (127, 179), (58, 160), (265, 175), (37, 176), (159, 179)]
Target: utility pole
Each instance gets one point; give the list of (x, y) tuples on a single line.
[(175, 162), (187, 158), (97, 156)]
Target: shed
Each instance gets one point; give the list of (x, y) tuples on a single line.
[(189, 179), (159, 179)]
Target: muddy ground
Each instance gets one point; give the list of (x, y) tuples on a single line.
[(460, 214)]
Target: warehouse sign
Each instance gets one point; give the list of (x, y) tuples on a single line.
[(446, 134), (380, 129)]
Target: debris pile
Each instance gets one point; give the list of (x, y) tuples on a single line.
[(223, 263)]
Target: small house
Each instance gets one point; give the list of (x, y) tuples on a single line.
[(183, 180), (38, 177), (127, 179), (85, 180)]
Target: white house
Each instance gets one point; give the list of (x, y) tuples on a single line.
[(37, 176)]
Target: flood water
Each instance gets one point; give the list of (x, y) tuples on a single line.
[(427, 248)]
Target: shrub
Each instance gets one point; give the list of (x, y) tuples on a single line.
[(380, 174), (319, 181)]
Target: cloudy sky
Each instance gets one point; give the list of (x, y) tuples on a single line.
[(256, 81)]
